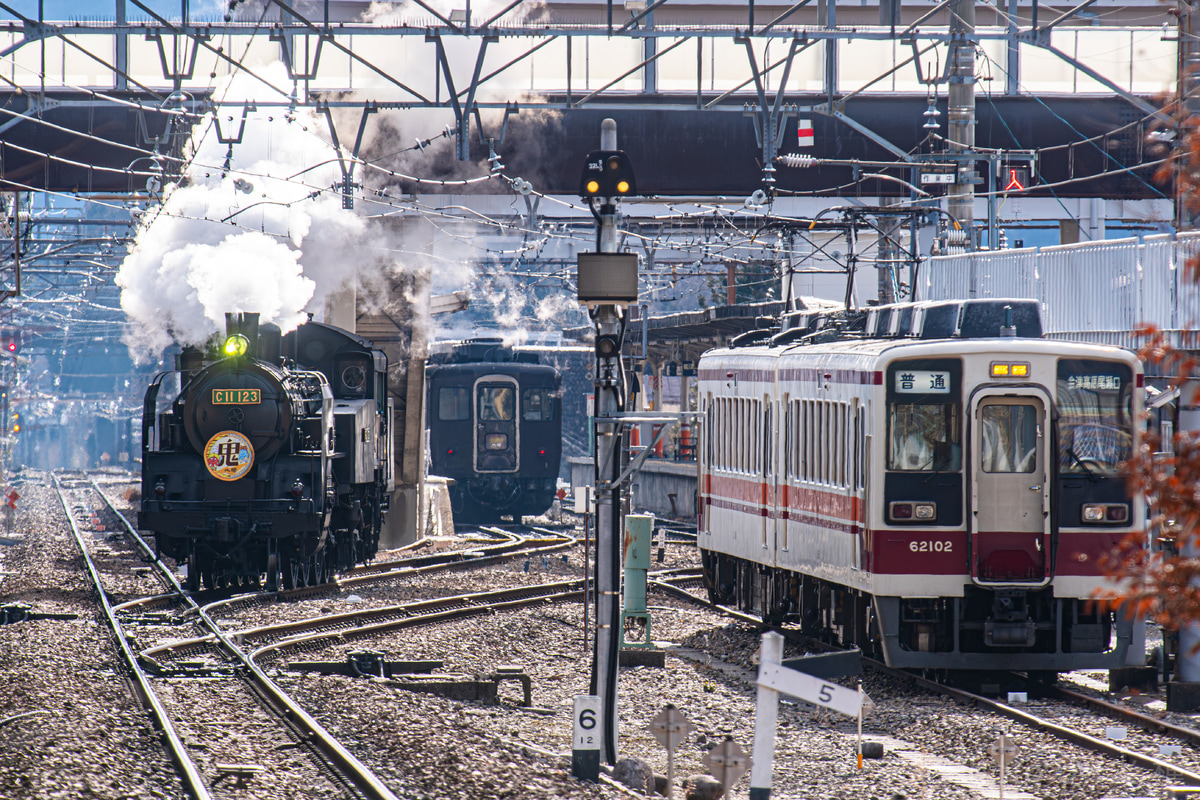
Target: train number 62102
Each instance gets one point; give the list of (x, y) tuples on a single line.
[(931, 547)]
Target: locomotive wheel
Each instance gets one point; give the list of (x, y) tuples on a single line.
[(193, 575), (318, 567), (272, 581)]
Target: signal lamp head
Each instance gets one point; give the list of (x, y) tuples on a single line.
[(236, 346), (607, 346), (593, 187), (12, 347), (623, 186)]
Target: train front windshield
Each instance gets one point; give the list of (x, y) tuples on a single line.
[(925, 436), (1095, 423)]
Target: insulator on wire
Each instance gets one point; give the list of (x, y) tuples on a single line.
[(798, 160)]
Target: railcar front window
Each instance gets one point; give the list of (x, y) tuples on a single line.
[(924, 437), (453, 404), (537, 405), (496, 403), (1095, 429), (1008, 438)]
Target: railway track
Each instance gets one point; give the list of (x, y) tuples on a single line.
[(369, 622), (80, 498), (1055, 713)]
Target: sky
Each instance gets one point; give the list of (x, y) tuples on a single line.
[(198, 10)]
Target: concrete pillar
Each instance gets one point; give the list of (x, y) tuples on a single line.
[(401, 329), (960, 123)]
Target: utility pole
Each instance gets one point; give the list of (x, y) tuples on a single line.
[(960, 127), (607, 282)]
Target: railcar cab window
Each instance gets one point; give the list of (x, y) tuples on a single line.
[(496, 403), (454, 404), (925, 416), (537, 405), (1095, 424)]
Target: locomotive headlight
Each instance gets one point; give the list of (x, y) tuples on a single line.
[(236, 346), (495, 441)]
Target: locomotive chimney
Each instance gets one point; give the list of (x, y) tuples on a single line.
[(270, 343)]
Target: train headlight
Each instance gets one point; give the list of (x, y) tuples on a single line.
[(495, 441), (236, 346), (909, 511), (1106, 513)]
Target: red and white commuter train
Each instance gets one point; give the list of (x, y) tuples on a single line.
[(938, 487)]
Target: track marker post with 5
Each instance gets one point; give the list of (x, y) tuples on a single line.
[(775, 679)]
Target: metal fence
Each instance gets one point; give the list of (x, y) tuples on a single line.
[(1096, 292)]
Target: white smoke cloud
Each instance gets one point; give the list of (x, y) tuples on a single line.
[(385, 13), (267, 235)]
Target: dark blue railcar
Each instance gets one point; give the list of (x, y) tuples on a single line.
[(495, 427)]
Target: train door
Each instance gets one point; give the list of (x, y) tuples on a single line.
[(1010, 514), (497, 446)]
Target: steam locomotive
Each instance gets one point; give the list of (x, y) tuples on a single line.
[(273, 461), (495, 427)]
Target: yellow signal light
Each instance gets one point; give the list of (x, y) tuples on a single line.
[(593, 187), (622, 186)]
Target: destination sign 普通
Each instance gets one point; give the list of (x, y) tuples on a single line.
[(236, 397), (919, 381)]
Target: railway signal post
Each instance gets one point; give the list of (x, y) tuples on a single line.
[(607, 282)]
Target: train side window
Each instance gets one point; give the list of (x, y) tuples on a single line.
[(798, 441), (924, 437), (858, 447), (822, 442), (453, 404), (537, 405)]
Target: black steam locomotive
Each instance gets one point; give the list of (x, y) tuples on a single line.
[(495, 427), (274, 458)]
